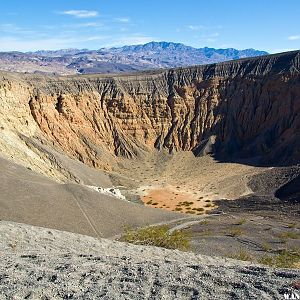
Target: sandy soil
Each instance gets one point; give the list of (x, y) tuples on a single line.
[(184, 183), (174, 199)]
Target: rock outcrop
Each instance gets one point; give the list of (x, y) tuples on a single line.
[(239, 109)]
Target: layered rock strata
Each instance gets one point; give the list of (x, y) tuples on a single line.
[(239, 109)]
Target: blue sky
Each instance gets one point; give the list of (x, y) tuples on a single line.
[(271, 25)]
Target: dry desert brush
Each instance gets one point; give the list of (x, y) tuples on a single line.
[(159, 236)]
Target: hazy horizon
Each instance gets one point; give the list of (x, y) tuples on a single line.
[(111, 47)]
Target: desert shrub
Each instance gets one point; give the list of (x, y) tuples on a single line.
[(234, 232), (242, 255), (158, 236), (288, 235), (240, 222), (186, 203), (198, 209), (204, 222), (266, 247), (267, 260), (285, 259)]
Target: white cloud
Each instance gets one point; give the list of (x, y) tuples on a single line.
[(17, 44), (93, 38), (195, 27), (88, 25), (279, 50), (129, 40), (122, 20), (215, 34), (210, 40), (63, 42), (294, 37), (201, 27), (84, 25), (228, 46), (14, 29), (81, 13)]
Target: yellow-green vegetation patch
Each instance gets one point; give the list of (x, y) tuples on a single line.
[(241, 221), (292, 225), (266, 247), (284, 259), (204, 222), (158, 236), (234, 232), (242, 255), (289, 235)]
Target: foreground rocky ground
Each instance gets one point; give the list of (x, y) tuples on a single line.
[(39, 263)]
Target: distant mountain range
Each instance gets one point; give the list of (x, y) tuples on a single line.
[(152, 55)]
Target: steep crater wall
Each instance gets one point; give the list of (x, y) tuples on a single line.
[(240, 109)]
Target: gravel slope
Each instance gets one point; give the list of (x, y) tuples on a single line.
[(31, 198), (39, 263)]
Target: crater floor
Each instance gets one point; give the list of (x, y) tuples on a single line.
[(184, 183)]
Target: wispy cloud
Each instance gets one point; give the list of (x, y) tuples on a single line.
[(122, 20), (18, 44), (294, 37), (14, 29), (203, 28), (279, 50), (81, 13), (71, 41), (196, 27), (134, 39), (84, 25), (215, 34)]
